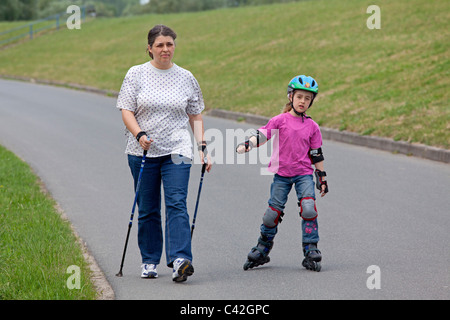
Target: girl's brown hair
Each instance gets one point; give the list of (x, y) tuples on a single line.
[(159, 30), (287, 107)]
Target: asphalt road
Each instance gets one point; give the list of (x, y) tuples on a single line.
[(384, 210)]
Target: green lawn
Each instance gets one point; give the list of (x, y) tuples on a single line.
[(37, 247)]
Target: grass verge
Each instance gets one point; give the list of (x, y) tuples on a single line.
[(39, 254)]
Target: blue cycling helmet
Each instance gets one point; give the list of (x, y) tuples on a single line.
[(303, 83)]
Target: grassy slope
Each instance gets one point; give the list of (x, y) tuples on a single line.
[(391, 82)]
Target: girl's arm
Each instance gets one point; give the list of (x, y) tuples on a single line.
[(319, 166), (256, 140)]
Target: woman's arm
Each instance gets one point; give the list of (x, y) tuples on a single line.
[(196, 122), (130, 122)]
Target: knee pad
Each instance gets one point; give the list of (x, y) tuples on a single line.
[(308, 209), (272, 217)]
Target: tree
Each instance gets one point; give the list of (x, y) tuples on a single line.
[(11, 10)]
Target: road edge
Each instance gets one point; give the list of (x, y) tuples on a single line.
[(102, 286)]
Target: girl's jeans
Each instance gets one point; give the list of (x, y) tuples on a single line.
[(279, 190), (174, 176)]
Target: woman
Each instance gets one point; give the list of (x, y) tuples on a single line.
[(157, 100)]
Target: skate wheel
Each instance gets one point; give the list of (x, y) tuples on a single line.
[(305, 264), (318, 267), (247, 265), (312, 265)]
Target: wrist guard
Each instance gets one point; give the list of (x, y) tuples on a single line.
[(140, 134), (248, 145), (202, 147), (321, 180)]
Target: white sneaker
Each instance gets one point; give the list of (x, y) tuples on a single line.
[(149, 271), (182, 268)]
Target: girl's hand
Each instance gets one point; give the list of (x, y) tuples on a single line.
[(321, 182), (241, 149), (244, 147), (322, 191)]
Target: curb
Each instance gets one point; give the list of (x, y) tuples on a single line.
[(75, 86), (385, 144), (98, 278)]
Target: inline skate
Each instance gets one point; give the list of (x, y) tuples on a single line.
[(313, 257), (259, 254)]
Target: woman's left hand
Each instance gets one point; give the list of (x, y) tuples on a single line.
[(208, 161)]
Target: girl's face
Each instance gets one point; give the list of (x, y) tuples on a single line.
[(162, 50), (301, 100)]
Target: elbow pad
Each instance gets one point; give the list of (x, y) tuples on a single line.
[(316, 155), (260, 138)]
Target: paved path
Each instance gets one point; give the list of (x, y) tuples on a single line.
[(384, 210)]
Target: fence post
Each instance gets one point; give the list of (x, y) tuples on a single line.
[(57, 22), (31, 32)]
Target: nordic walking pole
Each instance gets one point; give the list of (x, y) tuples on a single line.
[(198, 196), (132, 213)]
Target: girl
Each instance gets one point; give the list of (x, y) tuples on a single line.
[(298, 147)]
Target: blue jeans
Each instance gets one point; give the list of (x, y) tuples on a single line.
[(175, 180), (279, 190)]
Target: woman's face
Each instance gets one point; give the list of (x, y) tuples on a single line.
[(162, 50)]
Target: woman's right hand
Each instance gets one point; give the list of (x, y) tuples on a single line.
[(145, 142)]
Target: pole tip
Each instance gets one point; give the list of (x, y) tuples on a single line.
[(119, 274)]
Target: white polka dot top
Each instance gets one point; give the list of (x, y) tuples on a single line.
[(161, 101)]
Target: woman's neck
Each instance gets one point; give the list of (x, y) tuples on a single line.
[(164, 66)]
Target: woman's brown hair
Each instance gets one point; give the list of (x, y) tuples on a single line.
[(159, 30)]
